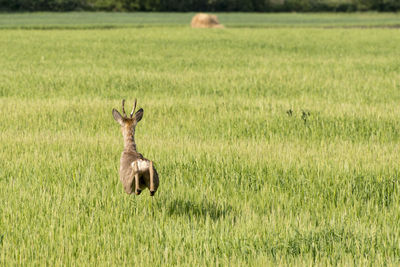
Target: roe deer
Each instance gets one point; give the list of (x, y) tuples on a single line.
[(133, 166)]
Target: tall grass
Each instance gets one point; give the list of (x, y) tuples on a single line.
[(274, 146)]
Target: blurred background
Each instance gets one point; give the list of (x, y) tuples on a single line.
[(202, 5)]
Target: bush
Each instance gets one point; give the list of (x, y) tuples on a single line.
[(201, 5)]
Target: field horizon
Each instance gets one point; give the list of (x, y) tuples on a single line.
[(274, 145), (115, 20)]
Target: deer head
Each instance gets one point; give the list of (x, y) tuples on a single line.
[(128, 124)]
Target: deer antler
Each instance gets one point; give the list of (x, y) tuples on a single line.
[(123, 108), (134, 107)]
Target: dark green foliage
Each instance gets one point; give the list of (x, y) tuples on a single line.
[(42, 5), (201, 5)]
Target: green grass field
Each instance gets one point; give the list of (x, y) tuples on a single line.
[(242, 181), (100, 20)]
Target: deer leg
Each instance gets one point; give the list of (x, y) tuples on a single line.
[(136, 172), (128, 185), (151, 172)]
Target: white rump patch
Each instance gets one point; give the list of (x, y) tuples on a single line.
[(143, 165)]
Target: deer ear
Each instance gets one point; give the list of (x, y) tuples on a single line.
[(139, 115), (117, 116)]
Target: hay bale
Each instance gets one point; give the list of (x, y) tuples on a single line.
[(202, 20)]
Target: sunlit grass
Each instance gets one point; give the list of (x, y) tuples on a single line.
[(243, 180), (91, 20)]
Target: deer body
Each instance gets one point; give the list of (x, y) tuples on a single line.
[(136, 172)]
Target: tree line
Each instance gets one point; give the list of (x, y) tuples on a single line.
[(201, 5)]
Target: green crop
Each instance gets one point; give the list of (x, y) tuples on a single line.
[(274, 146)]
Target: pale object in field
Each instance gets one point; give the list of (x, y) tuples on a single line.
[(202, 20)]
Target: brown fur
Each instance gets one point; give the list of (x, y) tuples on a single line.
[(202, 20), (127, 172)]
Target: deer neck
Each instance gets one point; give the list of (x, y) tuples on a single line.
[(129, 140)]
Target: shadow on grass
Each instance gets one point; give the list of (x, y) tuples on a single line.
[(195, 210)]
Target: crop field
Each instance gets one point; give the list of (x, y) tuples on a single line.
[(274, 145), (101, 20)]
